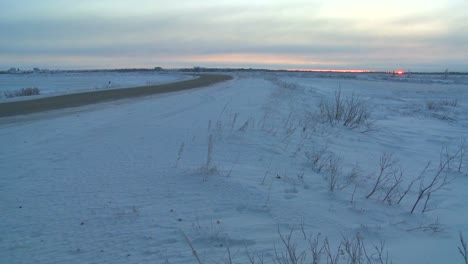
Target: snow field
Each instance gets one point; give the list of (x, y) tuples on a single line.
[(58, 83), (126, 182)]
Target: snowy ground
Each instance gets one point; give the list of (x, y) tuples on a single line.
[(226, 167), (56, 83)]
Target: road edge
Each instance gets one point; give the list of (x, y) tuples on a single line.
[(9, 109)]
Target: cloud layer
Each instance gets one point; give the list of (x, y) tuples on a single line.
[(269, 34)]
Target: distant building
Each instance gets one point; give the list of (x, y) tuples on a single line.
[(13, 70), (198, 69)]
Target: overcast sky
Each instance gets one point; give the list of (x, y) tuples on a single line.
[(418, 35)]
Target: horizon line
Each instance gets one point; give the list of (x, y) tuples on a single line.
[(200, 68)]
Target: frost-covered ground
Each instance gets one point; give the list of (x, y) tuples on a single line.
[(422, 78), (56, 83), (230, 165)]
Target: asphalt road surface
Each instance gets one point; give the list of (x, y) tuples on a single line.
[(86, 98)]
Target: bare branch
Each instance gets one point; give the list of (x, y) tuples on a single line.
[(463, 248), (397, 179), (315, 248), (291, 256), (413, 181), (194, 252), (332, 258), (386, 163), (438, 182)]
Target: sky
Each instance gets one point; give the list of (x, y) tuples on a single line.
[(416, 35)]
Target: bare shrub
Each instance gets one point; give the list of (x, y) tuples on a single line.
[(330, 164), (438, 181), (410, 185), (441, 104), (386, 170), (315, 248), (334, 171), (194, 252), (234, 120), (463, 248), (180, 153), (313, 157), (443, 108), (22, 92), (355, 250), (293, 250), (354, 174), (382, 255), (291, 254), (209, 168), (332, 257), (228, 260), (394, 184), (434, 227), (350, 250), (351, 112), (254, 258), (461, 156), (319, 158), (244, 126), (209, 155)]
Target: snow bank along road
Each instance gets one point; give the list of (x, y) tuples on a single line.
[(79, 99)]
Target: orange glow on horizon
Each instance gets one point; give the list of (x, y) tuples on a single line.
[(333, 70)]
